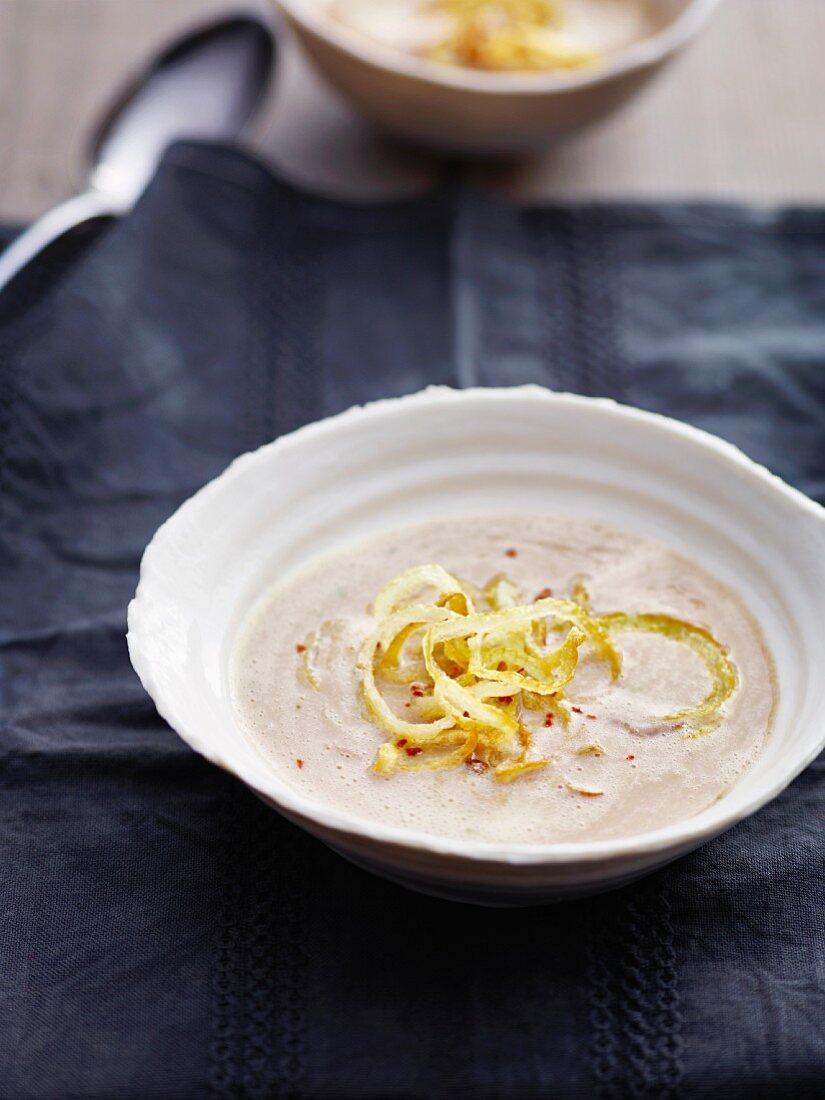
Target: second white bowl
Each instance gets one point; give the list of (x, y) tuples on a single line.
[(468, 111)]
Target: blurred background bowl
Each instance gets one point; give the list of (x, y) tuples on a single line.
[(461, 110)]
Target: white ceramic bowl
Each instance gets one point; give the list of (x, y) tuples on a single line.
[(463, 110), (441, 452)]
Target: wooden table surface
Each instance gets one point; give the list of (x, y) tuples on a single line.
[(739, 116)]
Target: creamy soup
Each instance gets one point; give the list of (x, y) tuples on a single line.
[(615, 751), (416, 26)]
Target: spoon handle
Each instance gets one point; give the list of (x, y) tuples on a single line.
[(52, 226)]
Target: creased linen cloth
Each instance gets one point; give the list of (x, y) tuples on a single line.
[(163, 933)]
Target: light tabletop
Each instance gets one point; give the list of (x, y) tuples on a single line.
[(738, 116)]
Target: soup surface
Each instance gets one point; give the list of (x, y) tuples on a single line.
[(612, 752), (580, 32)]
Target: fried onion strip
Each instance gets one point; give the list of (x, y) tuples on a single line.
[(475, 674)]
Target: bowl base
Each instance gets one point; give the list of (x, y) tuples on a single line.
[(494, 897)]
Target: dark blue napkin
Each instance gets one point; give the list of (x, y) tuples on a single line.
[(164, 934)]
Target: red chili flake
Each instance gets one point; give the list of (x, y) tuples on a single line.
[(511, 553), (548, 720), (401, 742), (631, 757), (501, 666), (545, 594), (408, 704), (590, 715), (552, 695), (413, 750), (505, 698), (477, 765), (577, 710), (300, 763), (417, 692), (300, 648)]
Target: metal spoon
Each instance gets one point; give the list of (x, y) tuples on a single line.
[(205, 85)]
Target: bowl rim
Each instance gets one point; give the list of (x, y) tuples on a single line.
[(642, 54), (679, 835)]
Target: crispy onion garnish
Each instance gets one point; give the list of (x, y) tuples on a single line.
[(508, 35), (721, 669), (476, 663), (472, 671)]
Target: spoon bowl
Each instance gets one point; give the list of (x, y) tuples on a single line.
[(207, 85)]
